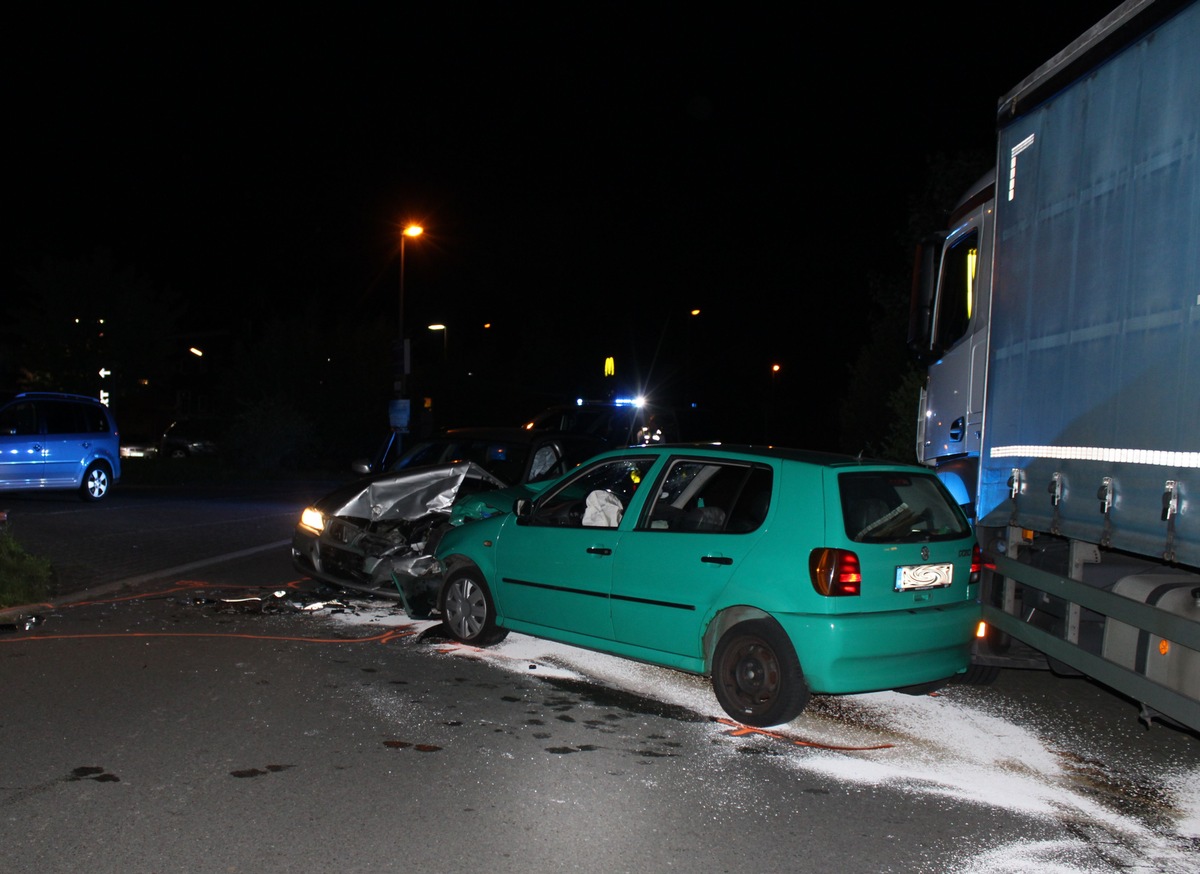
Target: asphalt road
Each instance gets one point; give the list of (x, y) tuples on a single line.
[(172, 713), (143, 531)]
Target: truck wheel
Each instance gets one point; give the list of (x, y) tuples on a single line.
[(756, 675), (468, 612)]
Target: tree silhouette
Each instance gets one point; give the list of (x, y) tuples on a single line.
[(75, 318), (878, 413)]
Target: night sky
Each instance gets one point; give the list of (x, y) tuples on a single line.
[(586, 173)]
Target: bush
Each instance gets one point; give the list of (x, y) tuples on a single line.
[(24, 578)]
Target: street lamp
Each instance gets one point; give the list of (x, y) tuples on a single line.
[(410, 231), (687, 356), (445, 339), (774, 384)]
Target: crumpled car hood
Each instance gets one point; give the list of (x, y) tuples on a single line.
[(405, 496)]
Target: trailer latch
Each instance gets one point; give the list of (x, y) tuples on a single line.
[(1105, 494), (1170, 501), (1014, 483), (1056, 489)]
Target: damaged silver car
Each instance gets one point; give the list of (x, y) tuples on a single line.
[(377, 534)]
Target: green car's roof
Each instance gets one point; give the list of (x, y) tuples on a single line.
[(750, 452)]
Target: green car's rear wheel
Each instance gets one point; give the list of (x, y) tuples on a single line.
[(756, 675)]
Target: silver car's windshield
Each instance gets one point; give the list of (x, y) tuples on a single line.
[(503, 460)]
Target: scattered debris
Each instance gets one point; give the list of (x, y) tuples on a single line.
[(259, 772), (27, 623), (283, 601), (407, 745), (92, 772)]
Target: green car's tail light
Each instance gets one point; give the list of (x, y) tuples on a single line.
[(835, 572), (976, 563)]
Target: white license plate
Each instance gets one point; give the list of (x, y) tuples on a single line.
[(923, 576)]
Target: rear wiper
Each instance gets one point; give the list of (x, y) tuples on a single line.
[(890, 524)]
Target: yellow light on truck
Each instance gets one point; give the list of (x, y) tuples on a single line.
[(981, 630)]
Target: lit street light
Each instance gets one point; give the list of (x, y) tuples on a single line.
[(409, 231), (687, 356), (775, 368), (445, 339), (398, 407)]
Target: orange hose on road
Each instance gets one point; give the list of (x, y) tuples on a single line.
[(739, 730)]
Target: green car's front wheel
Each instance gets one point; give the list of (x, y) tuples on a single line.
[(468, 611)]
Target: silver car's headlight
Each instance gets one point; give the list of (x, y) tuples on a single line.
[(312, 519)]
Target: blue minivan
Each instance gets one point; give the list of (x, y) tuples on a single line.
[(51, 440)]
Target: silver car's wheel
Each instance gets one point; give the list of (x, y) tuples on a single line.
[(468, 612), (96, 483)]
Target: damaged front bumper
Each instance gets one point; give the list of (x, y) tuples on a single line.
[(378, 536)]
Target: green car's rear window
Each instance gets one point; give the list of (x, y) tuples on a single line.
[(898, 507)]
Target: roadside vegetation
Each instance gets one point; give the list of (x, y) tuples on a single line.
[(24, 578)]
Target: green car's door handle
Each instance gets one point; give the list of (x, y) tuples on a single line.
[(716, 559), (599, 550)]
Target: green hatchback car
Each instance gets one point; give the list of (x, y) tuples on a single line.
[(778, 573)]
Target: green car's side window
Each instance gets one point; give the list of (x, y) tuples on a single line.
[(597, 497), (711, 496)]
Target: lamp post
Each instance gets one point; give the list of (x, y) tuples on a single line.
[(445, 339), (687, 357), (409, 231), (774, 384)]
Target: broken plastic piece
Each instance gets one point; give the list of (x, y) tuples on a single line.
[(26, 624)]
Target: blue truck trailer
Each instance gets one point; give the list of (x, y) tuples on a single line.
[(1058, 315)]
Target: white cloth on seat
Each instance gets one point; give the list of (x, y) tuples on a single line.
[(602, 509)]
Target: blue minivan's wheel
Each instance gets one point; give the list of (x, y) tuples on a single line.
[(756, 675), (96, 482)]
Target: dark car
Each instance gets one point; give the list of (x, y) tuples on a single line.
[(188, 438), (51, 440), (614, 423), (618, 422), (379, 529)]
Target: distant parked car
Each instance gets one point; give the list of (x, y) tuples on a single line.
[(187, 438), (139, 446), (777, 573), (51, 440), (388, 522)]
